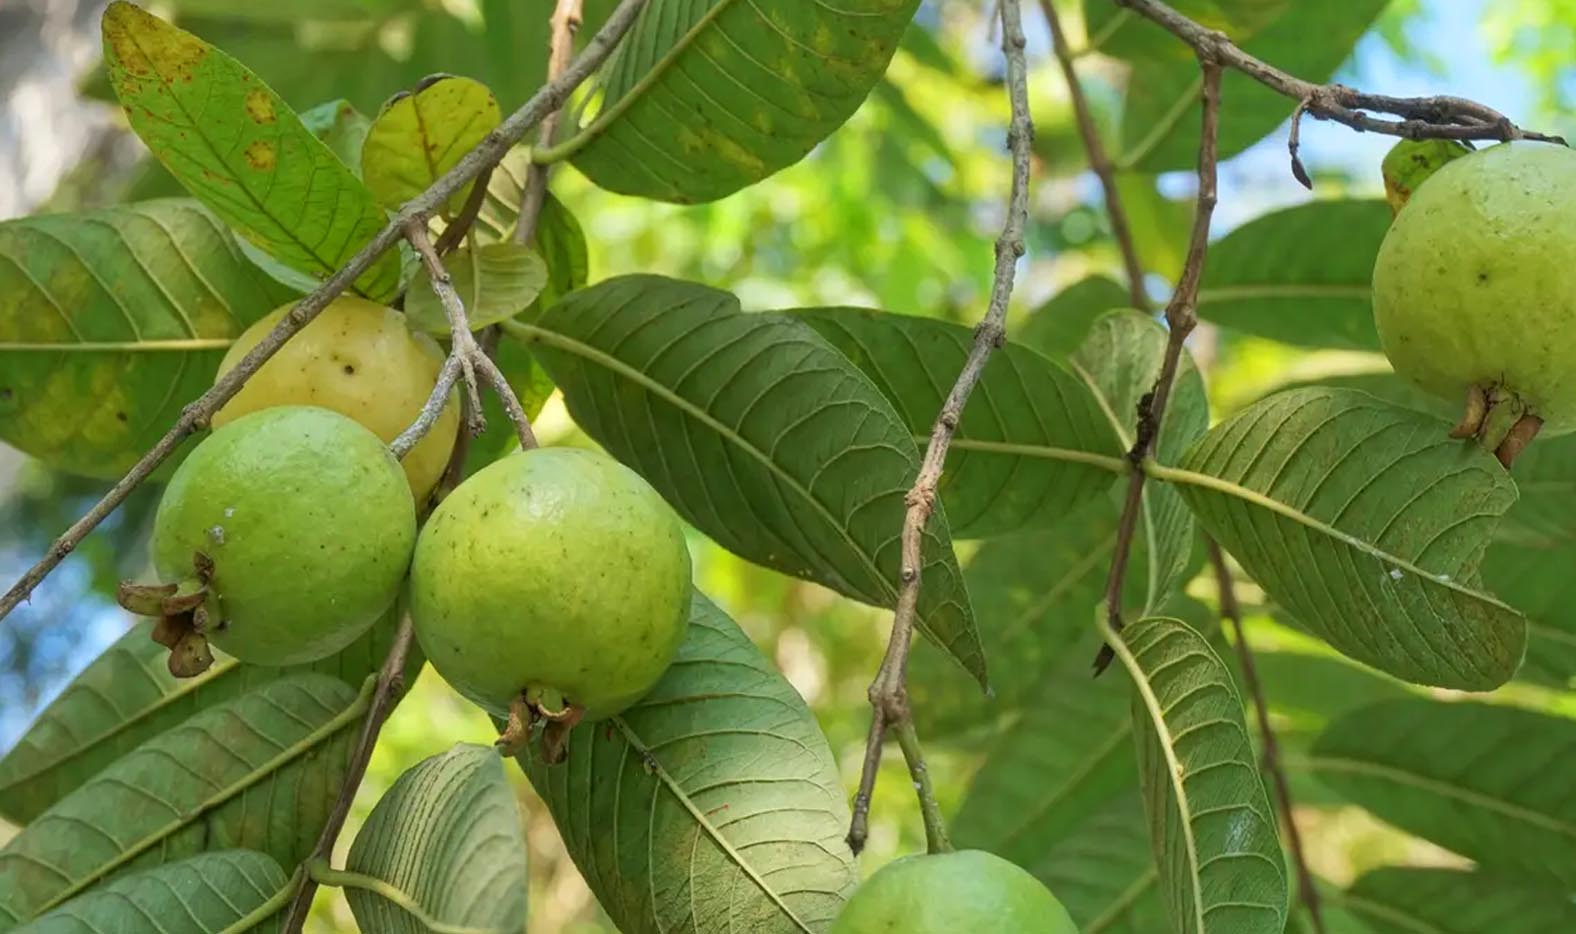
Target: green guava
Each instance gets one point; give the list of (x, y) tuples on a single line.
[(555, 574), (282, 538), (1474, 289), (948, 893), (1411, 162), (357, 358)]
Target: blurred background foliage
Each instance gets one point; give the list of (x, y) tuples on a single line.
[(896, 211)]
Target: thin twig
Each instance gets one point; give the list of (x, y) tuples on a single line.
[(391, 683), (889, 692), (1436, 117), (195, 415), (1099, 161), (566, 19), (1181, 317), (1229, 611), (454, 234)]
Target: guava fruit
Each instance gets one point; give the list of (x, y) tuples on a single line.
[(947, 893), (556, 577), (1411, 162), (359, 359), (280, 539), (1474, 289)]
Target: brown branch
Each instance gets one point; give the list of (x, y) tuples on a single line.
[(1436, 117), (565, 20), (1229, 611), (889, 691), (195, 415), (1099, 161), (455, 233), (1181, 316), (391, 683)]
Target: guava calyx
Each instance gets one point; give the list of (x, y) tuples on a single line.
[(544, 707), (1499, 419), (186, 612)]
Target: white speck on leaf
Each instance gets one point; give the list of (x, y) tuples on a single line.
[(1444, 578), (229, 511), (1395, 574)]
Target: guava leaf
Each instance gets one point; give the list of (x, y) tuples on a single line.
[(714, 804), (1160, 122), (419, 137), (1367, 523), (1032, 443), (235, 145), (1120, 360), (1478, 779), (1104, 872), (342, 128), (1537, 580), (1408, 899), (230, 891), (705, 98), (1299, 275), (110, 322), (448, 834), (1213, 832), (127, 696), (259, 772), (494, 280), (759, 433), (559, 240), (1059, 327), (1121, 33)]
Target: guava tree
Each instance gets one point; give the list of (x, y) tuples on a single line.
[(331, 351)]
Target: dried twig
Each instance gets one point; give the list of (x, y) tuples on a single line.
[(1229, 611), (196, 414), (1180, 318), (566, 19), (1099, 161), (889, 691)]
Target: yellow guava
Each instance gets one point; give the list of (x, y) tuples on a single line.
[(282, 538), (557, 573), (947, 893), (359, 359)]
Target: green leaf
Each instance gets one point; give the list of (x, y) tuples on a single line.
[(448, 834), (559, 240), (127, 696), (1479, 779), (1121, 33), (1367, 523), (342, 128), (1058, 327), (1121, 360), (1160, 123), (1211, 825), (1032, 443), (241, 150), (760, 435), (494, 280), (1299, 275), (1538, 581), (1413, 899), (705, 98), (1104, 872), (110, 322), (1543, 516), (230, 891), (278, 751), (713, 804), (419, 137)]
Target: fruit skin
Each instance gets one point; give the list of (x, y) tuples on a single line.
[(554, 568), (359, 359), (950, 893), (309, 524), (1411, 162), (1476, 280)]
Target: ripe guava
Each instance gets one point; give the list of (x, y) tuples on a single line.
[(1474, 289), (947, 893), (359, 359), (282, 537), (556, 575)]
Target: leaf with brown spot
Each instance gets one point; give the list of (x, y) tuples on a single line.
[(418, 137)]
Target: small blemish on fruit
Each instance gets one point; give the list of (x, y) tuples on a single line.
[(350, 370), (229, 511), (217, 534)]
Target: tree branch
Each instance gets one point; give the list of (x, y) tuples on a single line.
[(889, 691), (1229, 611), (1099, 161), (1181, 316), (195, 415), (1436, 117), (565, 20)]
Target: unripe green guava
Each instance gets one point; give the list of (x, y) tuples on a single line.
[(951, 893), (305, 523), (558, 572), (357, 358), (1475, 284)]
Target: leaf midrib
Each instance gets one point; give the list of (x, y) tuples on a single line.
[(182, 345), (1041, 451), (1237, 293)]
